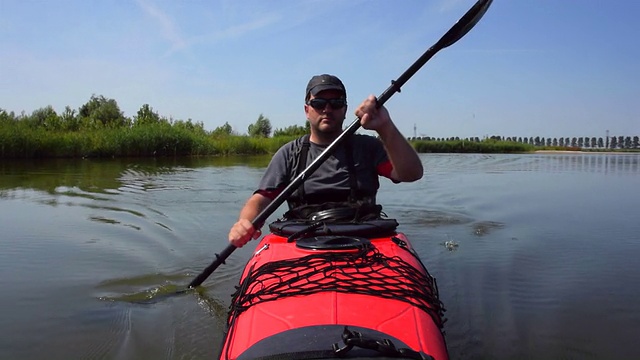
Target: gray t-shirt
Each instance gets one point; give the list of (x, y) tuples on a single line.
[(330, 182)]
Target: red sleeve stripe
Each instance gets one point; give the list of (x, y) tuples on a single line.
[(271, 194), (385, 168)]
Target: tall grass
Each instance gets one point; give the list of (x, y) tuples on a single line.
[(466, 146), (159, 139), (162, 139)]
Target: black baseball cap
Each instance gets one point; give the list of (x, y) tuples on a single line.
[(324, 82)]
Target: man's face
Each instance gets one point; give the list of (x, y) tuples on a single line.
[(325, 120)]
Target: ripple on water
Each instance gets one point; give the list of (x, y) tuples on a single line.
[(120, 330), (483, 228), (432, 218), (143, 289)]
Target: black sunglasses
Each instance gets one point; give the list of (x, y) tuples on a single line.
[(319, 103)]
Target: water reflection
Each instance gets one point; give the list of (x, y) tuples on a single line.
[(91, 177), (99, 176), (118, 190), (627, 164), (555, 162)]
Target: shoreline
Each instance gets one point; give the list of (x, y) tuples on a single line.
[(584, 152)]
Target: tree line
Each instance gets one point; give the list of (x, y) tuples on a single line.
[(104, 113), (99, 128), (609, 142)]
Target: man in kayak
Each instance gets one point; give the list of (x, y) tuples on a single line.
[(350, 174)]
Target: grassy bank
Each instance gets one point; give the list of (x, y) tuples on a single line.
[(162, 139), (143, 141), (466, 146)]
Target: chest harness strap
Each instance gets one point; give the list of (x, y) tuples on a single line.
[(302, 164)]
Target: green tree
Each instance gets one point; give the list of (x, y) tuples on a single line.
[(46, 118), (261, 128), (68, 119), (294, 130), (146, 116), (536, 141), (7, 118), (221, 131), (101, 112), (193, 127)]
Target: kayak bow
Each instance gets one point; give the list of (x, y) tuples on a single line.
[(342, 290)]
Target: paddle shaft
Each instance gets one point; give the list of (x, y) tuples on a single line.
[(459, 29)]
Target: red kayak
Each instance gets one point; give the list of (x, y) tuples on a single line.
[(318, 291)]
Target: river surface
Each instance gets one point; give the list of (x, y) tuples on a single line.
[(542, 261)]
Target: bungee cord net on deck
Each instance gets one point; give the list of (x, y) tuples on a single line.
[(365, 271)]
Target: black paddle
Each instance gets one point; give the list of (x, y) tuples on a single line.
[(459, 29)]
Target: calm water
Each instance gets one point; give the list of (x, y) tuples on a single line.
[(545, 264)]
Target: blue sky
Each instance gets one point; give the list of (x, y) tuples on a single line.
[(550, 68)]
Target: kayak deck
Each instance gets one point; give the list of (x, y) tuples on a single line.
[(307, 299)]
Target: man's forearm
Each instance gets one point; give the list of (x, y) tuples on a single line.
[(254, 206), (404, 158)]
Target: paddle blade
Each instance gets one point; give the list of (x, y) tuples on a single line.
[(465, 24)]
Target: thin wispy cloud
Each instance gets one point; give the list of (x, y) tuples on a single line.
[(239, 30), (170, 30)]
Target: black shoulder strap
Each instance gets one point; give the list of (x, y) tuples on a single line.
[(302, 164), (353, 179), (302, 161), (299, 196)]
